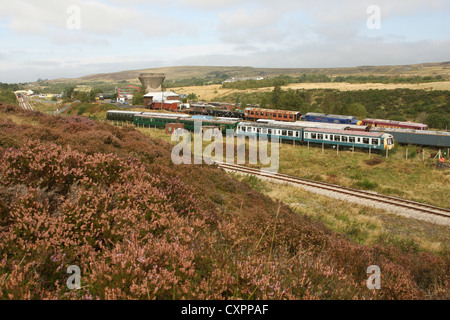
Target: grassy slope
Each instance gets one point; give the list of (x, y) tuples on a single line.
[(232, 242), (364, 225), (183, 72)]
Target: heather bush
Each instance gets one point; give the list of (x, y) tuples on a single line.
[(107, 199)]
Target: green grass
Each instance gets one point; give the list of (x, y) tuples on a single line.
[(412, 178), (8, 97), (363, 225)]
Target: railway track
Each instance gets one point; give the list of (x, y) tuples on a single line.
[(23, 103), (361, 194)]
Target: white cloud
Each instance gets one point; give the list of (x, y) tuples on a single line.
[(39, 17), (265, 33)]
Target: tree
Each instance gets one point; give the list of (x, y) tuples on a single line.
[(276, 96), (437, 121), (263, 102), (138, 98), (192, 96), (68, 93), (91, 95), (355, 109)]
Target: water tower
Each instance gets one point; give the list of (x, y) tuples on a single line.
[(152, 81)]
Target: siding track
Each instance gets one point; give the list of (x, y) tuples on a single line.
[(365, 196)]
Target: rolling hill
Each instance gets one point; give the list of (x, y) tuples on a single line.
[(187, 72)]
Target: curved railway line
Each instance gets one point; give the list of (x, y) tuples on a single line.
[(434, 214)]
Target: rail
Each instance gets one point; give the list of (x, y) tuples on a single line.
[(407, 204)]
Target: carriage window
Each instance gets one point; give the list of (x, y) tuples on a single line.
[(344, 138), (366, 140), (375, 141), (257, 113), (262, 113), (358, 139), (269, 131), (320, 136), (326, 137), (285, 116), (351, 139), (313, 136), (283, 133), (290, 133), (337, 138), (290, 116)]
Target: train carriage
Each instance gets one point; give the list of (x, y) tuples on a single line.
[(330, 118), (393, 124), (161, 114), (213, 111), (418, 137), (349, 139), (330, 137), (280, 115), (147, 120), (120, 115), (189, 124), (284, 131), (322, 125)]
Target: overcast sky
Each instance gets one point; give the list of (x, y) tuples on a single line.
[(69, 38)]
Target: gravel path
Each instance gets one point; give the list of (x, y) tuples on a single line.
[(409, 213)]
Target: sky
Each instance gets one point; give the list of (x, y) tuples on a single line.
[(51, 39)]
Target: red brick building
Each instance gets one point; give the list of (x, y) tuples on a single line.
[(162, 100)]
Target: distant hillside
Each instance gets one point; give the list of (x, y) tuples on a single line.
[(187, 72)]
